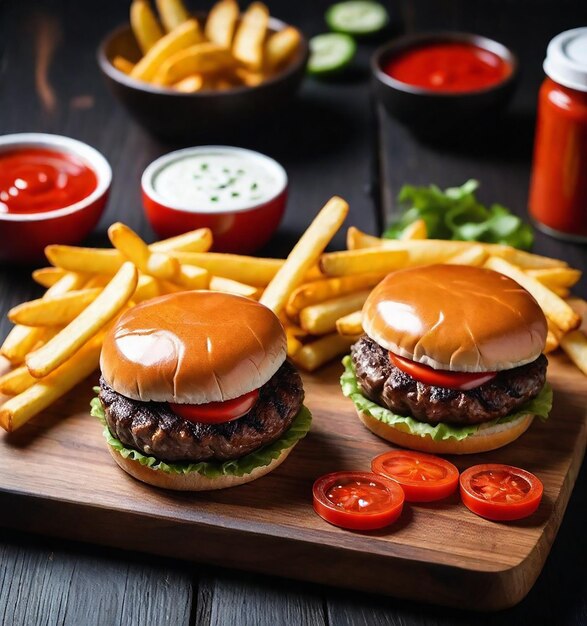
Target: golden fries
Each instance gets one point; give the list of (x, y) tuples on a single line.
[(173, 13), (350, 325), (123, 65), (221, 23), (416, 230), (192, 277), (352, 262), (320, 319), (556, 277), (20, 408), (145, 27), (250, 35), (554, 307), (311, 356), (227, 285), (475, 255), (201, 58), (185, 35), (56, 310), (575, 346), (16, 381), (305, 253), (48, 276), (102, 310), (281, 46), (76, 259), (190, 84)]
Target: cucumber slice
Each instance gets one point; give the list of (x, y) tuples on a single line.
[(357, 17), (330, 52)]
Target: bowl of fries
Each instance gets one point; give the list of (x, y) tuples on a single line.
[(24, 235), (183, 75)]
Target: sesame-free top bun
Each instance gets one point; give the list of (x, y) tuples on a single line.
[(456, 317), (193, 347)]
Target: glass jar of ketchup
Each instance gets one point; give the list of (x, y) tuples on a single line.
[(558, 187)]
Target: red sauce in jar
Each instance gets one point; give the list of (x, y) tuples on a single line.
[(452, 67), (35, 180)]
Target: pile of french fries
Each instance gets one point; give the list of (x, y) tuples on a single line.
[(229, 50), (318, 296)]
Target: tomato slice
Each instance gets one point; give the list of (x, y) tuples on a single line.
[(441, 378), (423, 477), (217, 412), (500, 492), (357, 500)]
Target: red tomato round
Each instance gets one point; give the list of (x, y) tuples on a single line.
[(500, 492), (357, 500), (423, 477), (440, 378), (217, 412)]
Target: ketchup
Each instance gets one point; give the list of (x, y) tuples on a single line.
[(35, 180), (558, 188), (452, 67)]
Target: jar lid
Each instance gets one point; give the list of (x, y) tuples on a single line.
[(566, 59)]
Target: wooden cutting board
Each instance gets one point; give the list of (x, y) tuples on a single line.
[(57, 478)]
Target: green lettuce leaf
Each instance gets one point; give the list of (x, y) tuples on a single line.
[(456, 214), (539, 406), (211, 469)]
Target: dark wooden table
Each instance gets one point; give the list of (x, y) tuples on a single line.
[(333, 141)]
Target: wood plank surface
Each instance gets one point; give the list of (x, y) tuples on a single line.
[(58, 465)]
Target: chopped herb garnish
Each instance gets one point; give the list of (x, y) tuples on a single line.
[(240, 172), (235, 194), (214, 198), (254, 186), (226, 170), (204, 166)]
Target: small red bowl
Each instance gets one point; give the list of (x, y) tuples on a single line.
[(240, 229), (23, 237)]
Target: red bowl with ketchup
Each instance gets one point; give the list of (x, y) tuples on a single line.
[(438, 80), (52, 190), (239, 194)]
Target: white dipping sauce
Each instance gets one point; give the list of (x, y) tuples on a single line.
[(216, 181)]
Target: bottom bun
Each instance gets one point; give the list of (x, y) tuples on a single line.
[(483, 441), (192, 481)]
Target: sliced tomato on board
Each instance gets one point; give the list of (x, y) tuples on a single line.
[(217, 412), (357, 500), (500, 492), (423, 477), (440, 378)]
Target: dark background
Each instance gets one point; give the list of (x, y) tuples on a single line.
[(332, 140)]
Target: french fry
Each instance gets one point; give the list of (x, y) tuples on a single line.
[(312, 355), (20, 408), (227, 285), (475, 255), (575, 346), (57, 310), (554, 307), (416, 230), (221, 22), (553, 277), (350, 325), (16, 381), (123, 65), (172, 13), (305, 254), (77, 259), (525, 260), (245, 269), (201, 58), (147, 288), (190, 84), (187, 34), (248, 77), (131, 246), (281, 46), (145, 27), (327, 289), (48, 276), (102, 310), (294, 345), (192, 277), (250, 35), (551, 343), (320, 319), (561, 292), (350, 262), (97, 280), (22, 339)]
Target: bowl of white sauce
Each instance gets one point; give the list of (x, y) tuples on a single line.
[(239, 194)]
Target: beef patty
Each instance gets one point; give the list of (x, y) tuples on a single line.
[(152, 428), (389, 386)]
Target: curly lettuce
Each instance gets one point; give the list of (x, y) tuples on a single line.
[(211, 469), (539, 406)]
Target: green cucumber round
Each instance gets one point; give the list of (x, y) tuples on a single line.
[(330, 53), (357, 17)]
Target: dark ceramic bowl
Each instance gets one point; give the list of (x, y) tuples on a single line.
[(206, 114), (428, 109)]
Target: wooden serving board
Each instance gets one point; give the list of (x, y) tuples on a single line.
[(57, 478)]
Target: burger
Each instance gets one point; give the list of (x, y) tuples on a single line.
[(451, 361), (196, 392)]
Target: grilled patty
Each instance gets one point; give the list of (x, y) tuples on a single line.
[(389, 386), (152, 428)]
